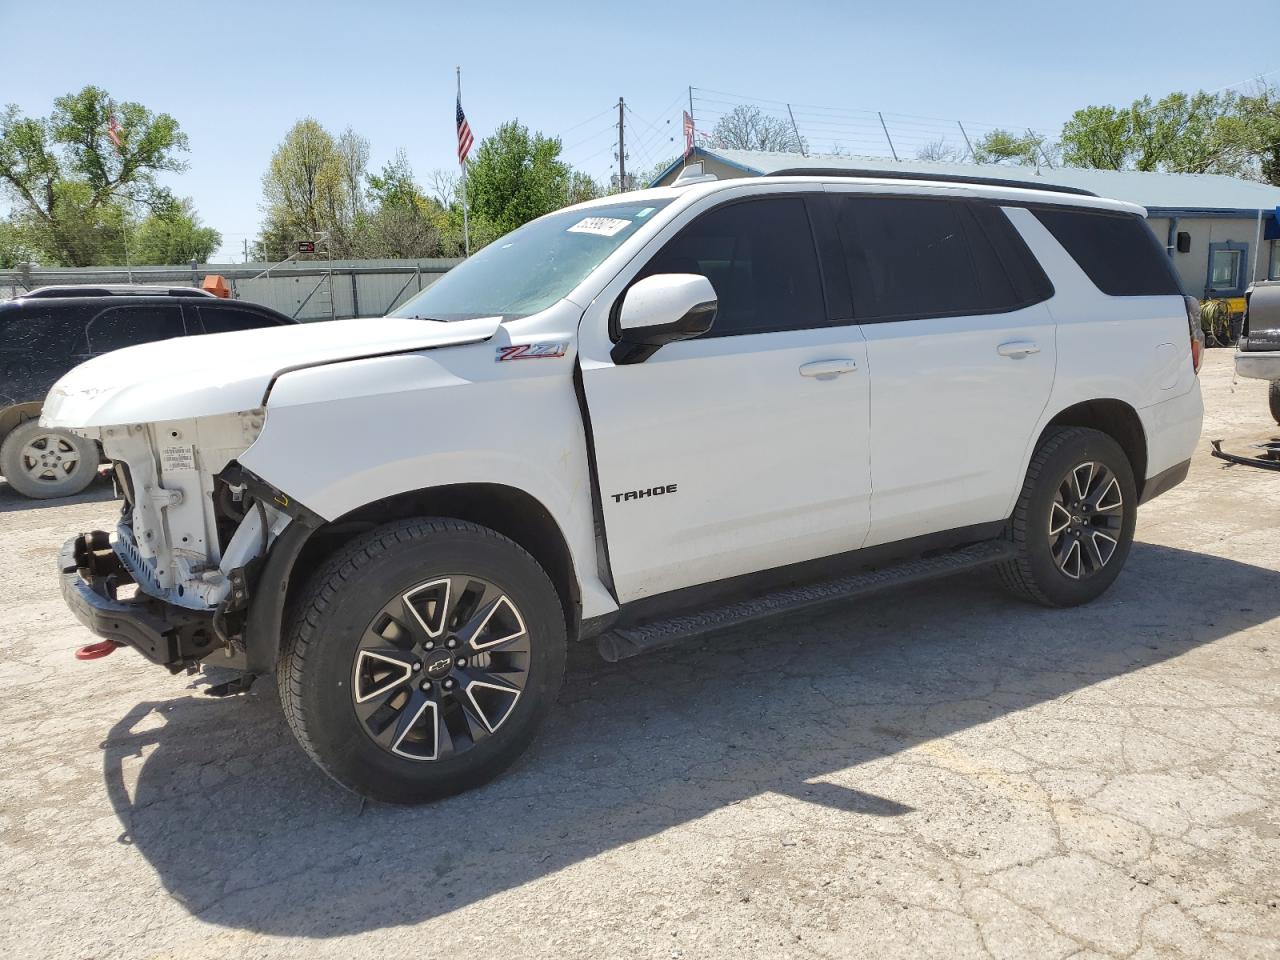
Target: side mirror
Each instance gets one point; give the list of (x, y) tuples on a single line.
[(662, 309)]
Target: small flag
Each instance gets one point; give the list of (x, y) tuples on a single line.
[(465, 140), (688, 133), (113, 132)]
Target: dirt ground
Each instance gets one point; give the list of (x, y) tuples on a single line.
[(947, 773)]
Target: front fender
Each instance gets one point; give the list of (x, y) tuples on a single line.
[(342, 436)]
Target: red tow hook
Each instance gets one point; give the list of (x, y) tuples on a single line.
[(96, 651)]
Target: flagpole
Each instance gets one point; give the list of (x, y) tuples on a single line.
[(466, 234)]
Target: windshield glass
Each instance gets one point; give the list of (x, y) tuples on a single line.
[(531, 267)]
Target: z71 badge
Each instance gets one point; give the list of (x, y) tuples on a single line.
[(532, 351)]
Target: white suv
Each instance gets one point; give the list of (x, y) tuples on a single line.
[(636, 419)]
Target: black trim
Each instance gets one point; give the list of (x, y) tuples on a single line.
[(1164, 481), (716, 593), (236, 475), (264, 620), (603, 571), (868, 174)]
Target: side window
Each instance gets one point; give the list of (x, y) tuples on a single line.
[(125, 326), (51, 333), (759, 256), (912, 257), (1118, 251), (226, 319)]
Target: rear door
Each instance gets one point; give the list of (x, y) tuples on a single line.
[(728, 454), (126, 325), (961, 352)]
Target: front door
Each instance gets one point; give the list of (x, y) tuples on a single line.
[(733, 452)]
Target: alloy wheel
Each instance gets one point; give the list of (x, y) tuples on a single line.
[(440, 668), (49, 458), (1085, 520)]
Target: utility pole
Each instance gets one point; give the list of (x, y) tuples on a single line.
[(886, 134), (622, 151), (246, 249), (796, 131), (966, 140)]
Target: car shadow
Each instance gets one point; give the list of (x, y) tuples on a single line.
[(100, 490), (244, 831)]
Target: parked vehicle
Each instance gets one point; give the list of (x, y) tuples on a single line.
[(1258, 352), (636, 419), (52, 329)]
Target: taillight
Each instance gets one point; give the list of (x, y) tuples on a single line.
[(1196, 331)]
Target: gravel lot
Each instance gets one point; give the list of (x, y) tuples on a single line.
[(944, 773)]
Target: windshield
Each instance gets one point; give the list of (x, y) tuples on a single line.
[(531, 267)]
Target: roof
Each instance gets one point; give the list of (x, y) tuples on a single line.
[(1160, 193)]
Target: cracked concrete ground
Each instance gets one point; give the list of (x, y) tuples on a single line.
[(940, 773)]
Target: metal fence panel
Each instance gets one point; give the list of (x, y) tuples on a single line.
[(366, 288)]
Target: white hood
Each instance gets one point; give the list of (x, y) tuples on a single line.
[(228, 372)]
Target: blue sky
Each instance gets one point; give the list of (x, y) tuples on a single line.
[(237, 75)]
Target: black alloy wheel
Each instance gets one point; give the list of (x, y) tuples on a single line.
[(1086, 519), (440, 668)]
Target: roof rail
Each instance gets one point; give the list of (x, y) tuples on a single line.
[(935, 177)]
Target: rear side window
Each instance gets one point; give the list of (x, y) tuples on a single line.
[(911, 257), (759, 256), (52, 333), (125, 326), (221, 319), (1118, 252)]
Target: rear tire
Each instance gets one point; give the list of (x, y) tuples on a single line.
[(44, 462), (421, 660), (1273, 400), (1074, 520)]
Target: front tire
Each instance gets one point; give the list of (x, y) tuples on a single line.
[(422, 659), (44, 462), (1273, 400), (1074, 520)]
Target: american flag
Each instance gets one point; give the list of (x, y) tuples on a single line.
[(688, 133), (465, 140), (113, 131)]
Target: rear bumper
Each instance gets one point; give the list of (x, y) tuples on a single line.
[(1258, 366), (91, 574)]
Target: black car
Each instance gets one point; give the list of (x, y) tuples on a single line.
[(47, 332)]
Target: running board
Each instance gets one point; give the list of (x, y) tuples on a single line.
[(624, 642)]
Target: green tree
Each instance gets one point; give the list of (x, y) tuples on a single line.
[(514, 177), (1225, 133), (314, 183), (1020, 149), (70, 184), (173, 236), (403, 222)]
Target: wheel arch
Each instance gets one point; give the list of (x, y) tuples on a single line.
[(1118, 420), (16, 413), (512, 512)]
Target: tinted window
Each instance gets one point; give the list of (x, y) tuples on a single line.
[(125, 326), (922, 257), (1119, 252), (229, 319), (759, 256), (51, 332)]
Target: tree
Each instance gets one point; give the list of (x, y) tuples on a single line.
[(514, 177), (173, 236), (71, 185), (1004, 146), (1227, 133), (747, 127), (941, 151), (314, 183), (404, 222)]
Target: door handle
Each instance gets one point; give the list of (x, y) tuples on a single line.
[(1017, 349), (827, 369)]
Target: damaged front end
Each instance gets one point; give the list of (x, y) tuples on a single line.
[(175, 578)]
